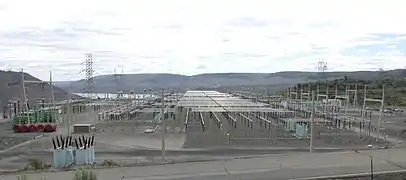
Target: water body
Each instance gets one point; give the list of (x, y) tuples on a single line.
[(116, 95)]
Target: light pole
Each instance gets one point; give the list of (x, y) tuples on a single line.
[(69, 113), (163, 125), (372, 168), (312, 124)]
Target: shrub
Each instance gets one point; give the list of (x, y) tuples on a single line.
[(109, 163), (35, 164), (84, 173), (22, 177)]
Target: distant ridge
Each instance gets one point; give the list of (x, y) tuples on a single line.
[(10, 88), (138, 82)]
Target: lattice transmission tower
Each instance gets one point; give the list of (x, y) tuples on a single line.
[(322, 68), (89, 88), (117, 80)]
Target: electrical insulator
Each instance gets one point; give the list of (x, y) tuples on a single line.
[(19, 106), (43, 103), (15, 107)]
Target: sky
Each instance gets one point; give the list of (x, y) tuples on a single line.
[(200, 36)]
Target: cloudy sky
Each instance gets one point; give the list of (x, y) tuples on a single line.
[(200, 36)]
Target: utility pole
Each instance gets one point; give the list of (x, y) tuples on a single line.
[(347, 98), (163, 125), (151, 95), (308, 92), (296, 97), (301, 97), (364, 107), (355, 103), (336, 93), (318, 92), (24, 94), (327, 99), (266, 95), (52, 89), (23, 82), (312, 124), (380, 114), (372, 167), (69, 113)]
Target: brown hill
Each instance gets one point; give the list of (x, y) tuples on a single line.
[(273, 81), (11, 88)]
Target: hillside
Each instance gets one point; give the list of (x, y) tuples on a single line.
[(34, 91), (138, 82), (395, 89)]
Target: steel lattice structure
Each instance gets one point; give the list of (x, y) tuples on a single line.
[(117, 81), (322, 66), (89, 74)]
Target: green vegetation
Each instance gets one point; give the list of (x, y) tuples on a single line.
[(85, 173), (24, 177), (395, 89), (36, 164), (82, 173), (109, 163)]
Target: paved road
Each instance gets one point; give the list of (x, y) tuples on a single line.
[(288, 166)]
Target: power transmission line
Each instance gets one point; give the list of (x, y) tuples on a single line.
[(89, 89)]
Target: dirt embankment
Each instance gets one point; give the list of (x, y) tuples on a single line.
[(380, 176)]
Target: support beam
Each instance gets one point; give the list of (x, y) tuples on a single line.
[(261, 118), (216, 118), (164, 125), (202, 121), (381, 101), (250, 121), (187, 119), (312, 130)]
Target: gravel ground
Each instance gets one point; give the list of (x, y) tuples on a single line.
[(8, 138), (260, 136), (125, 141)]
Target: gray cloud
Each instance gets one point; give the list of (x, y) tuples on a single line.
[(318, 48), (38, 34), (274, 37), (323, 24), (379, 43), (83, 30), (386, 36), (149, 40), (380, 37), (247, 22), (149, 57), (51, 40), (201, 67), (168, 26)]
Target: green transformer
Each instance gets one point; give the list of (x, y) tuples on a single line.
[(37, 116)]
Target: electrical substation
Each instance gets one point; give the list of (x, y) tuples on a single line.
[(158, 124)]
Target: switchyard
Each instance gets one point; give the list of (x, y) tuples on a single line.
[(219, 119), (350, 110), (208, 122)]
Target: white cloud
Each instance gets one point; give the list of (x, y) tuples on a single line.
[(190, 37)]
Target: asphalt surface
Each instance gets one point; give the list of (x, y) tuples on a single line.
[(288, 166)]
